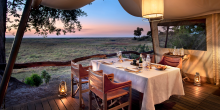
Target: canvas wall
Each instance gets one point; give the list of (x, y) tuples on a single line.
[(205, 62)]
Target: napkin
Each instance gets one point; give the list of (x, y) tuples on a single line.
[(128, 59), (119, 66), (107, 63), (131, 70)]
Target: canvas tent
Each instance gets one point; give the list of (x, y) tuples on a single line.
[(205, 62)]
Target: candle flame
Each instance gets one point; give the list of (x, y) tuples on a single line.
[(62, 90)]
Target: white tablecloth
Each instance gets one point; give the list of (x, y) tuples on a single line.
[(157, 86)]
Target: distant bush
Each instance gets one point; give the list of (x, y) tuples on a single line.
[(46, 76), (34, 80), (135, 38)]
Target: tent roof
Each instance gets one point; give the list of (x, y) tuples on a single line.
[(176, 9), (65, 4)]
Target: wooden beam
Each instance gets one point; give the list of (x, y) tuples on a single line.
[(180, 23)]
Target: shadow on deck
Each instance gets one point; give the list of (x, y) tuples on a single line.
[(196, 98)]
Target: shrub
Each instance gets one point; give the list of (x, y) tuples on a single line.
[(44, 73), (34, 80), (46, 76), (135, 38), (29, 81)]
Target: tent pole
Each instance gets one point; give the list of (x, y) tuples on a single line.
[(15, 49), (151, 29)]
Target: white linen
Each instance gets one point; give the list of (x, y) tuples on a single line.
[(156, 85)]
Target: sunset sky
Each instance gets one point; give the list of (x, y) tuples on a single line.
[(105, 19)]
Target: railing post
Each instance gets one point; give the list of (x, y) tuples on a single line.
[(15, 49)]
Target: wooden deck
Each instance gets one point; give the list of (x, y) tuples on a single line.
[(205, 97)]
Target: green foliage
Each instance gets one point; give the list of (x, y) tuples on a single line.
[(44, 73), (29, 81), (189, 37), (143, 48), (185, 36), (43, 19), (34, 80), (140, 49), (147, 37), (138, 31), (46, 76)]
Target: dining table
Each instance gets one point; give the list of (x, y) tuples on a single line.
[(156, 85)]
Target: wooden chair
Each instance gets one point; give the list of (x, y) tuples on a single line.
[(171, 61), (102, 88), (79, 76)]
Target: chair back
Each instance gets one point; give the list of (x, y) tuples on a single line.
[(75, 69), (96, 80), (78, 70), (171, 61)]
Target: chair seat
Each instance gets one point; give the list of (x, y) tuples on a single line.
[(84, 80), (110, 95)]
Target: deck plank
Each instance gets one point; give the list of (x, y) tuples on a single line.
[(16, 107), (52, 103), (31, 106), (9, 108), (73, 102), (60, 104), (86, 100), (39, 105), (195, 98), (67, 104), (45, 104), (24, 106)]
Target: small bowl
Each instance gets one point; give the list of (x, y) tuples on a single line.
[(161, 67)]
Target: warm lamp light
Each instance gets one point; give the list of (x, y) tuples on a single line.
[(197, 80), (62, 89), (152, 9)]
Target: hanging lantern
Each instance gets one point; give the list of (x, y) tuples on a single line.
[(197, 80), (62, 89), (153, 9)]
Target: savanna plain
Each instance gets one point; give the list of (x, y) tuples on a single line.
[(65, 49)]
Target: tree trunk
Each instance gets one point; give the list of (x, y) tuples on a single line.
[(3, 8)]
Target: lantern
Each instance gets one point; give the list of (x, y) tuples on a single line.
[(197, 80), (152, 9), (62, 89)]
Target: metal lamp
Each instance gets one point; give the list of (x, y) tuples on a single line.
[(62, 89), (153, 9), (197, 80)]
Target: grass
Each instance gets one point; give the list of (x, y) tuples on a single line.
[(48, 49)]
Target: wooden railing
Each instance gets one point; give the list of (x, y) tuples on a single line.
[(66, 63)]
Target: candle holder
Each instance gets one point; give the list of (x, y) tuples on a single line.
[(197, 80), (62, 89), (119, 54)]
